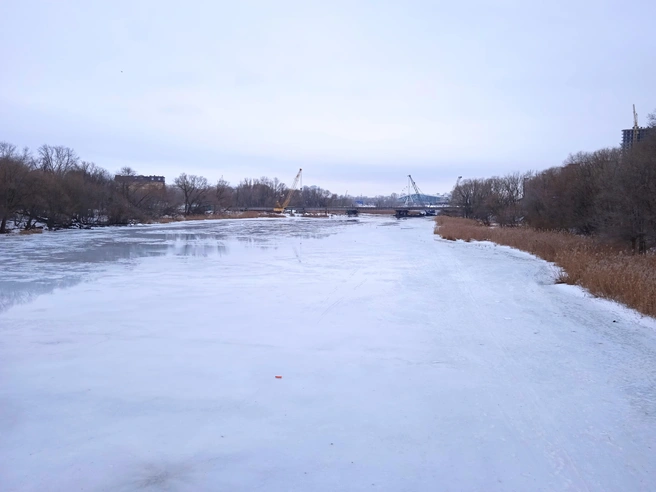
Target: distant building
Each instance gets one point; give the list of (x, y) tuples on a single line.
[(150, 181), (635, 135)]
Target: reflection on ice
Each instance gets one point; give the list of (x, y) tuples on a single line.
[(38, 264), (182, 247)]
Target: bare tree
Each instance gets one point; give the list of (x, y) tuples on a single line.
[(195, 189), (222, 195), (262, 192), (313, 196), (472, 196), (14, 171), (7, 150), (127, 171), (628, 197), (504, 199), (651, 117), (57, 159), (462, 197)]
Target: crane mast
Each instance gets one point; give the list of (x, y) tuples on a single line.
[(636, 128), (635, 119), (290, 194)]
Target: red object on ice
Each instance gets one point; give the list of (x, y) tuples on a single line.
[(278, 377)]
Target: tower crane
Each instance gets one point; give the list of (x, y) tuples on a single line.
[(636, 128), (290, 194)]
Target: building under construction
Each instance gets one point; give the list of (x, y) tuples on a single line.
[(636, 134)]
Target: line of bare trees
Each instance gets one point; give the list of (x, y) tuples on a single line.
[(55, 188), (610, 193)]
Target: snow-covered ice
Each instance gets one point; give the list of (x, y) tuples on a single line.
[(145, 358)]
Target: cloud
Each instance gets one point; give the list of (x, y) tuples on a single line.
[(263, 87)]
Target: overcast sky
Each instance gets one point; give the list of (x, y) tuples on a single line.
[(358, 93)]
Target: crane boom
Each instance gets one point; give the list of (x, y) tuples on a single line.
[(290, 194), (635, 119), (417, 192), (636, 128)]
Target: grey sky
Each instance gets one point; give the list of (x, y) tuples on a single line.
[(358, 93)]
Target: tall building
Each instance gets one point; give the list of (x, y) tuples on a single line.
[(635, 135)]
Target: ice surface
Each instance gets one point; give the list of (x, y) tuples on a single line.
[(145, 358)]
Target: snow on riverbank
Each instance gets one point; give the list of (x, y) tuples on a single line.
[(146, 358)]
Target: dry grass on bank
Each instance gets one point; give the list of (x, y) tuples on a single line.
[(605, 271)]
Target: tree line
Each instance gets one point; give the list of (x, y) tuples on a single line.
[(56, 188), (609, 193)]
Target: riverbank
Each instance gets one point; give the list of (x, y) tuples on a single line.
[(603, 270), (39, 227)]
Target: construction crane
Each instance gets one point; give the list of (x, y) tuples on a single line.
[(636, 127), (290, 194), (418, 195)]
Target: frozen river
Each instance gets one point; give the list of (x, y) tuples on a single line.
[(146, 358)]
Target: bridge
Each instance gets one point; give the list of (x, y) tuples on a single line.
[(400, 211), (414, 206)]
